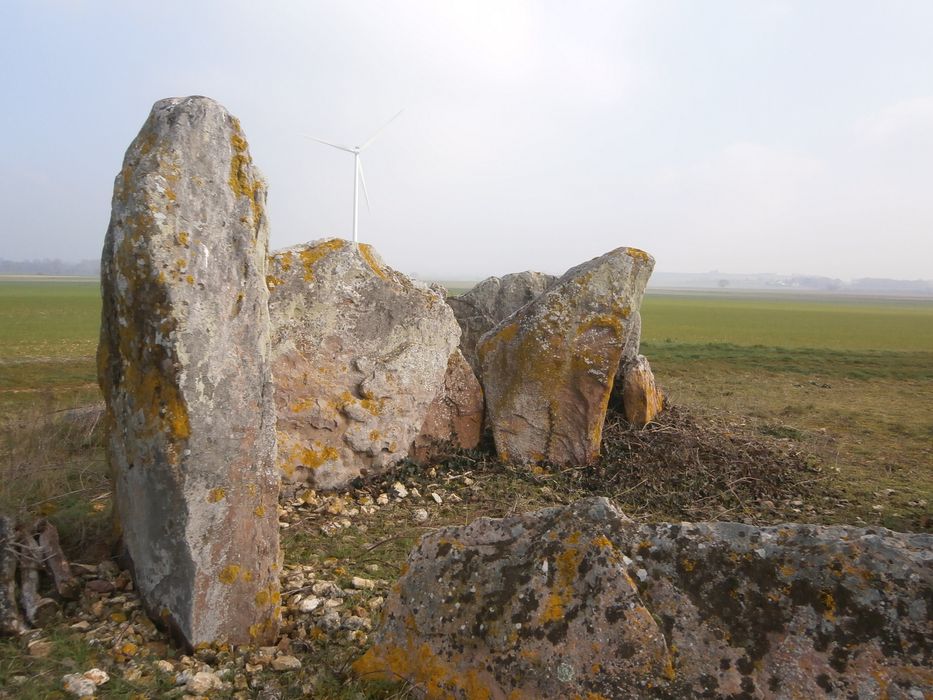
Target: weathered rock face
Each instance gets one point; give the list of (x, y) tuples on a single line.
[(455, 417), (581, 602), (642, 399), (184, 367), (495, 298), (360, 352), (548, 369)]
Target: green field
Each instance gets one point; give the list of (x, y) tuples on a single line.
[(851, 380), (844, 386)]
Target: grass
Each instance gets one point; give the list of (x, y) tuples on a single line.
[(843, 388)]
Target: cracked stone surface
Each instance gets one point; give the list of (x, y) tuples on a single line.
[(581, 602), (360, 353), (548, 370), (183, 363), (481, 308)]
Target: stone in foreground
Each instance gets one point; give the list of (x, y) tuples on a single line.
[(183, 363), (495, 298), (548, 369), (455, 417), (360, 353), (581, 602), (642, 399)]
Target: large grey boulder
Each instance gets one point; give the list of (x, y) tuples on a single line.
[(495, 298), (549, 368), (360, 353), (184, 367), (581, 602)]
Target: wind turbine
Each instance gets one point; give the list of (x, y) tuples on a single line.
[(357, 167)]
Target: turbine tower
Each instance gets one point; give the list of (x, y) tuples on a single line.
[(357, 168)]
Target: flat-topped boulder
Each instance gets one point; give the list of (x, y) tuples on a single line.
[(481, 308), (549, 368), (581, 602), (184, 367), (360, 352)]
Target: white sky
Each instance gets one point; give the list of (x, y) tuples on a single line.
[(745, 136)]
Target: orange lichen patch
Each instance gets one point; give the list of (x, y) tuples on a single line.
[(285, 260), (268, 596), (247, 576), (310, 256), (297, 454), (787, 570), (216, 495), (366, 251), (638, 254), (272, 281), (602, 542), (687, 565), (189, 279), (159, 400), (229, 574), (374, 435), (170, 194), (240, 181), (607, 321), (422, 667), (303, 405), (829, 605), (182, 237), (259, 511), (374, 406), (561, 596)]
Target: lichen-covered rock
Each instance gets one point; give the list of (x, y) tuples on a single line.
[(183, 364), (360, 352), (581, 602), (548, 369), (642, 399), (495, 298), (455, 417)]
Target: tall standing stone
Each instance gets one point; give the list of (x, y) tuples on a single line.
[(549, 368), (184, 367)]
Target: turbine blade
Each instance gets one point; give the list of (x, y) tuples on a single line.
[(363, 183), (380, 130), (328, 143)]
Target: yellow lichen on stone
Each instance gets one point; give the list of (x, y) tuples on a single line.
[(829, 605), (638, 254), (240, 181), (216, 495), (259, 511), (561, 594), (366, 251), (602, 542), (421, 666), (229, 574), (310, 256), (285, 260)]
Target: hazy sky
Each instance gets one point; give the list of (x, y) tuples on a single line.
[(771, 136)]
